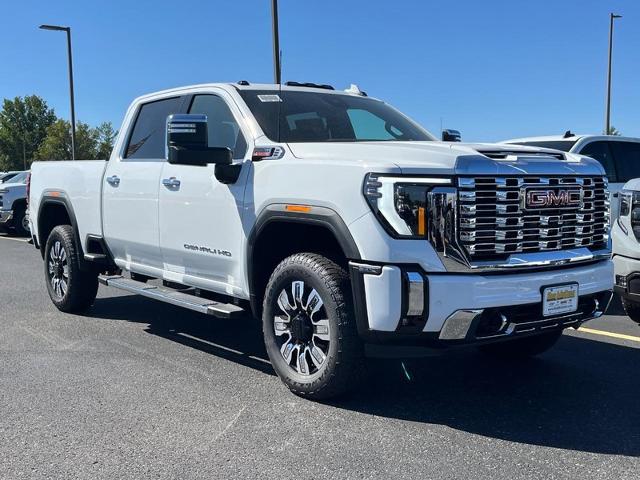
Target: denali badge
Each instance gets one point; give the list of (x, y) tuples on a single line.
[(535, 199)]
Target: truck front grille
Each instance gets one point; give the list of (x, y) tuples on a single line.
[(498, 216)]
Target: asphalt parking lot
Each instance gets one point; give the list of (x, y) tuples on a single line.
[(138, 389)]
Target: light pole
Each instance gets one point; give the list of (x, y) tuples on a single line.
[(607, 121), (73, 110), (276, 41)]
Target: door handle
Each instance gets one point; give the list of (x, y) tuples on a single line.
[(172, 182), (113, 180)]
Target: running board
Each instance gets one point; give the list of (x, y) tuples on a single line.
[(174, 297)]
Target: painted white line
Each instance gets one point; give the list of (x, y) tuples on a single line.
[(23, 240)]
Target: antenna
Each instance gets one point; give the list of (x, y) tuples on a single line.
[(279, 95)]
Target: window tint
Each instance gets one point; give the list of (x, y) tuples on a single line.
[(222, 127), (298, 116), (627, 156), (367, 125), (600, 151), (563, 145), (148, 137)]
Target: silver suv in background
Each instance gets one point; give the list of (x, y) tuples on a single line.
[(620, 156), (13, 205)]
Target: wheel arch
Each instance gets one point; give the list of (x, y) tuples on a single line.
[(56, 209), (279, 232)]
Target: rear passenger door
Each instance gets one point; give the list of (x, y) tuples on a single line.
[(130, 189), (601, 151), (201, 234)]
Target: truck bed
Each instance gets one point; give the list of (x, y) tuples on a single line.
[(77, 183)]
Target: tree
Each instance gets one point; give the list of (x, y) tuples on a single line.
[(613, 131), (91, 143), (23, 126)]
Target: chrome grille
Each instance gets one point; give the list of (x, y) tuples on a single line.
[(495, 222)]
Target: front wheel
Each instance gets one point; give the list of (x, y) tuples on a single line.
[(309, 327), (523, 347), (632, 309), (21, 222), (70, 288)]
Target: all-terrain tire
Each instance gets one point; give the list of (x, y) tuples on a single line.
[(632, 309), (343, 366), (76, 289)]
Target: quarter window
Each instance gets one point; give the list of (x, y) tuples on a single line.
[(148, 137)]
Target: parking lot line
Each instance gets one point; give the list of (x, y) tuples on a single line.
[(604, 333), (23, 240)]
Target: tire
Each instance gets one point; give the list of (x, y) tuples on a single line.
[(632, 309), (308, 308), (523, 347), (19, 222), (71, 290)]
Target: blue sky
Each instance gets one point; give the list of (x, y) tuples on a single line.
[(492, 69)]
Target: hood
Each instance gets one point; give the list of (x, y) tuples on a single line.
[(446, 158), (8, 185)]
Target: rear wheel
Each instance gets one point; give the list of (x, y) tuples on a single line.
[(632, 309), (523, 347), (309, 327), (20, 222), (71, 289)]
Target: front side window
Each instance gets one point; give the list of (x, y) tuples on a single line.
[(222, 128), (601, 152), (148, 137), (627, 157), (296, 116)]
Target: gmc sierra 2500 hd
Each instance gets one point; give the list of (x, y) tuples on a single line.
[(336, 219)]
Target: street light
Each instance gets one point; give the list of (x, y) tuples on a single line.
[(276, 41), (607, 121), (73, 110)]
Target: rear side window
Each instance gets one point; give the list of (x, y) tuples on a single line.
[(563, 145), (147, 139), (627, 156), (601, 152)]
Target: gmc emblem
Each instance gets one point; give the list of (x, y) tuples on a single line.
[(535, 199)]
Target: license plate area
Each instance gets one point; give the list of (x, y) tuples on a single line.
[(559, 299)]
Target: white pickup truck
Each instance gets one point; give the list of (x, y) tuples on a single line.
[(335, 219)]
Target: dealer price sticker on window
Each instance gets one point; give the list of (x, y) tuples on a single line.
[(559, 300)]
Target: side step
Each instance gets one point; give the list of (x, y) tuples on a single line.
[(174, 297)]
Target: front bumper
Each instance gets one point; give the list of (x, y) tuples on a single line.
[(627, 277), (472, 308)]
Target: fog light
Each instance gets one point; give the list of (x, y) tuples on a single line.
[(621, 281)]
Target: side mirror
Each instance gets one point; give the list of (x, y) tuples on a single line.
[(449, 135), (188, 142)]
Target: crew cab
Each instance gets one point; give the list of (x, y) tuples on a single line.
[(339, 222)]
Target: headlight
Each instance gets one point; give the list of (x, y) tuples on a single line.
[(400, 202), (630, 208)]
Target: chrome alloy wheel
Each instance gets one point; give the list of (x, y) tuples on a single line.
[(25, 224), (303, 328), (58, 269)]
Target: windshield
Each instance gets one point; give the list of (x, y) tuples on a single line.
[(18, 178), (326, 117), (563, 145)]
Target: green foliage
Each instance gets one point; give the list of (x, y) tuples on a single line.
[(613, 131), (23, 127), (91, 143), (30, 130)]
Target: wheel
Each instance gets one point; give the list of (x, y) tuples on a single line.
[(309, 327), (632, 309), (71, 289), (21, 222), (523, 347)]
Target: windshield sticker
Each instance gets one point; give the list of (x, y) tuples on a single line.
[(269, 98)]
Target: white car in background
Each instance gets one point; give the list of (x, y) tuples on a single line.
[(620, 156)]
